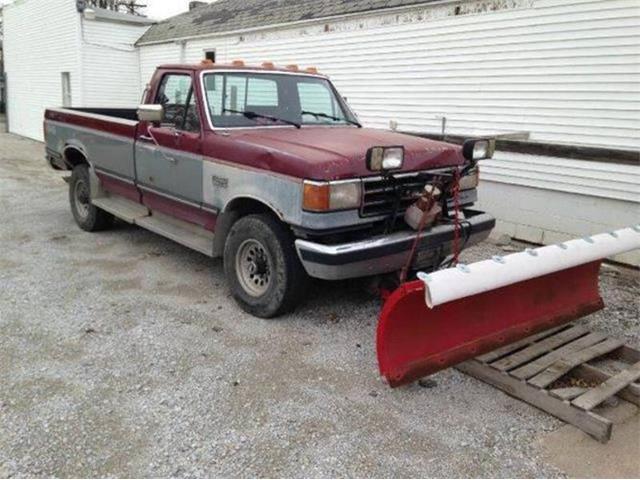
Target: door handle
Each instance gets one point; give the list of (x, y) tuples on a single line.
[(146, 138)]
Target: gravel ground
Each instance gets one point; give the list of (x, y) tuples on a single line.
[(121, 354)]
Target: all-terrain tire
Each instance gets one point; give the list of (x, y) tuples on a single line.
[(263, 245)]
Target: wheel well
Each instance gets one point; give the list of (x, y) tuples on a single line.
[(236, 209), (74, 157)]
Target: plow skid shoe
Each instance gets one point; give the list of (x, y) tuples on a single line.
[(414, 340)]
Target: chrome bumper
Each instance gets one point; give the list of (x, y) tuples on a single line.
[(388, 253)]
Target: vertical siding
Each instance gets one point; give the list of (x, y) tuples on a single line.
[(111, 67), (39, 44)]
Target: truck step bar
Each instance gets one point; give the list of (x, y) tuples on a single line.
[(184, 233), (122, 208)]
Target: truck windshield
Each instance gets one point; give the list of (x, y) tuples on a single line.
[(259, 99)]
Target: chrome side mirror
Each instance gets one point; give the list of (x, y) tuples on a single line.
[(151, 113)]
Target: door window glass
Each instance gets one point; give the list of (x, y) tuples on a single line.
[(177, 97)]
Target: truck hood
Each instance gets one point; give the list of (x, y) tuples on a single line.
[(334, 153)]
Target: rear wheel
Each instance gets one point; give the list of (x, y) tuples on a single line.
[(88, 217), (262, 268)]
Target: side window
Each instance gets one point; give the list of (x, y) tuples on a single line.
[(177, 97)]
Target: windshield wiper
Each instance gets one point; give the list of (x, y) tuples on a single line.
[(331, 117), (253, 115)]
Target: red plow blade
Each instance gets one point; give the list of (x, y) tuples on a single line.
[(414, 341)]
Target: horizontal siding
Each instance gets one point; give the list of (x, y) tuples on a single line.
[(111, 67), (38, 48), (566, 71), (595, 179), (154, 55)]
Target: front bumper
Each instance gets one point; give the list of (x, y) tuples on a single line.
[(388, 253)]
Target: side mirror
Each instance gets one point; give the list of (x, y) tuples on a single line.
[(151, 113)]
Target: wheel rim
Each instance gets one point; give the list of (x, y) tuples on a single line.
[(82, 199), (253, 267)]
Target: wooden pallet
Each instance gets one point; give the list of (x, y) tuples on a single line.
[(555, 372)]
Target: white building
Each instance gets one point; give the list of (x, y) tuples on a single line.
[(55, 55), (564, 75)]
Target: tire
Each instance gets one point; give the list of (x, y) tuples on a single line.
[(262, 267), (88, 217)]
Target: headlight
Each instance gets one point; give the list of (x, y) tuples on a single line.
[(475, 150), (385, 158), (331, 196)]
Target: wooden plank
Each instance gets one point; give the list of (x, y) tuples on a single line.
[(535, 367), (539, 348), (589, 373), (613, 385), (627, 354), (512, 347), (568, 393), (565, 365), (589, 422)]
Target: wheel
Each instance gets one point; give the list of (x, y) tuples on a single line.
[(262, 267), (88, 217)]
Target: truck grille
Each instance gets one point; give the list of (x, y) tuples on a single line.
[(380, 194)]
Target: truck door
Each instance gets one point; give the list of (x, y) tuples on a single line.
[(169, 156)]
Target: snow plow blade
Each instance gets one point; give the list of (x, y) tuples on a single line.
[(457, 314)]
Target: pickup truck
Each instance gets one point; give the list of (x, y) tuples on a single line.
[(271, 169)]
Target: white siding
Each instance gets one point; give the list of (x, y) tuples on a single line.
[(155, 55), (111, 67), (39, 44), (566, 71)]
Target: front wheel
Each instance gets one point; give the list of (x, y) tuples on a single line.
[(262, 268), (88, 217)]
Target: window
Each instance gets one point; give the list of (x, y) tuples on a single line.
[(177, 97), (318, 103), (262, 93), (210, 55), (266, 99)]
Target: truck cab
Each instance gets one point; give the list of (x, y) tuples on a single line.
[(271, 169)]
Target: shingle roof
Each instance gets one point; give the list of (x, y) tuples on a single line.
[(233, 15)]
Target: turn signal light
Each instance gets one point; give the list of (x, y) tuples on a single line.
[(312, 70), (268, 65), (293, 68), (316, 197), (238, 63)]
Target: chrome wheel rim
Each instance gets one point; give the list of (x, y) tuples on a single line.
[(253, 267), (82, 199)]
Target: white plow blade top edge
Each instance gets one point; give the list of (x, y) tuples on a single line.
[(465, 280)]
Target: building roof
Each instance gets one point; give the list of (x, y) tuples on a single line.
[(237, 15)]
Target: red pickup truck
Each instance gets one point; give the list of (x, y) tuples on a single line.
[(270, 169)]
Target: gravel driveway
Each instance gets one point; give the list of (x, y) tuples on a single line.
[(121, 354)]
